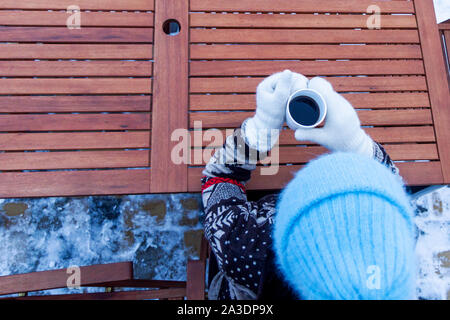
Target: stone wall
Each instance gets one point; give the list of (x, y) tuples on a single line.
[(157, 232)]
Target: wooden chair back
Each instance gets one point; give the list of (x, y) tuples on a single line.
[(110, 277)]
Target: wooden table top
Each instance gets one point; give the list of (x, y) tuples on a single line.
[(92, 111)]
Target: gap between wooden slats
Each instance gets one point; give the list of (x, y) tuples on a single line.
[(83, 4), (74, 183), (75, 51), (307, 68), (309, 21), (224, 119), (348, 6), (83, 35), (414, 173), (340, 84), (88, 19), (230, 102), (313, 51)]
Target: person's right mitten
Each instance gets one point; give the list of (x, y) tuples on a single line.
[(342, 129)]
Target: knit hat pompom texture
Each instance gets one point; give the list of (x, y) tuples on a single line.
[(344, 230)]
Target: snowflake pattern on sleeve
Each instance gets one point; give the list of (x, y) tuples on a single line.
[(239, 233), (382, 156)]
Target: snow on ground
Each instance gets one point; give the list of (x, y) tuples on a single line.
[(433, 244)]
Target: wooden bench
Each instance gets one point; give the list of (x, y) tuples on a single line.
[(108, 276), (91, 111)]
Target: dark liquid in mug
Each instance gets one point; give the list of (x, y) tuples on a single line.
[(304, 110)]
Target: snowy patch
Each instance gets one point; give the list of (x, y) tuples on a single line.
[(433, 244)]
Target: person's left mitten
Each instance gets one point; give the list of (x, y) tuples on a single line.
[(262, 130)]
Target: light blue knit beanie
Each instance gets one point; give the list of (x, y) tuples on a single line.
[(344, 230)]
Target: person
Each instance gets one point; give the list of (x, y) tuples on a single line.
[(342, 227)]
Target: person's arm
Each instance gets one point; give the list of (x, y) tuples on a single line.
[(238, 230), (380, 154)]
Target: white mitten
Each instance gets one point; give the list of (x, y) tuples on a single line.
[(261, 131), (342, 129), (299, 82)]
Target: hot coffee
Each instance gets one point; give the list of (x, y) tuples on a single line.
[(304, 110)]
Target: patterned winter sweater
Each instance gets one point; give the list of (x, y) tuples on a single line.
[(239, 231)]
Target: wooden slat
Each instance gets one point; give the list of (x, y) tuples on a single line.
[(302, 36), (314, 51), (414, 173), (171, 95), (402, 134), (308, 68), (74, 183), (374, 84), (83, 4), (42, 104), (421, 173), (74, 140), (396, 152), (412, 151), (361, 100), (388, 100), (73, 160), (75, 68), (88, 19), (44, 280), (142, 283), (195, 288), (67, 122), (350, 6), (379, 134), (277, 181), (63, 34), (75, 86), (367, 117), (75, 51), (341, 84), (302, 154), (163, 294), (297, 21), (437, 80)]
